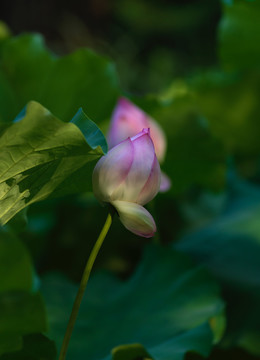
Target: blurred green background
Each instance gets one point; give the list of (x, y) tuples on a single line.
[(151, 42), (194, 67)]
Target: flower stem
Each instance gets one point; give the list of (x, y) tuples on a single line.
[(82, 287)]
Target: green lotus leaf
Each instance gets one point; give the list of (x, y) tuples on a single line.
[(165, 307)]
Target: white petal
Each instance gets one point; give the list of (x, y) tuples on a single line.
[(152, 185), (141, 168), (111, 170), (159, 139), (135, 218)]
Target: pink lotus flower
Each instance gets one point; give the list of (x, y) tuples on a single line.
[(128, 120), (127, 177)]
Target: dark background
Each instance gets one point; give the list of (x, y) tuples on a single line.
[(157, 40)]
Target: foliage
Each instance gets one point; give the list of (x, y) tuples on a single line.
[(238, 270), (38, 155), (22, 308), (165, 280), (145, 301), (28, 71)]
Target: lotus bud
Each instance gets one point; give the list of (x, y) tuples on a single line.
[(128, 120), (127, 177)]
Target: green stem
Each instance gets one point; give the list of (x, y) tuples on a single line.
[(82, 287)]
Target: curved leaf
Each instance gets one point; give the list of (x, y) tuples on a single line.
[(39, 156)]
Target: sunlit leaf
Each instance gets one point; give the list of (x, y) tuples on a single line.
[(38, 156)]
